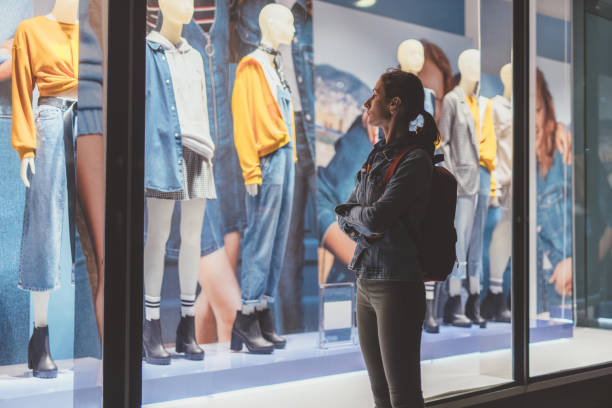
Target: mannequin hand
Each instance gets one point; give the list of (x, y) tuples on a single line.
[(562, 277), (25, 163), (251, 189), (5, 67)]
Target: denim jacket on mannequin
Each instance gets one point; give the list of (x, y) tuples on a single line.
[(164, 138), (249, 34)]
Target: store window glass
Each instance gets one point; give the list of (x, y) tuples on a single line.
[(255, 130), (570, 248), (52, 202)]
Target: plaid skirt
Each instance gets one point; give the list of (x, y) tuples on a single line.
[(198, 180)]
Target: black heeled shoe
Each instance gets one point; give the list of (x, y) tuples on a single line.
[(453, 315), (494, 307), (472, 311), (39, 354), (266, 323), (186, 341), (430, 325), (153, 350), (246, 330)]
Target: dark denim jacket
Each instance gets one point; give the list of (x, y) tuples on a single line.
[(382, 219), (163, 142), (554, 213), (247, 30)]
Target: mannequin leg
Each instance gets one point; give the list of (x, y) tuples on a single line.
[(231, 243), (41, 307), (192, 216), (91, 172), (220, 289), (205, 323), (39, 353), (494, 305), (472, 307), (431, 323), (158, 230)]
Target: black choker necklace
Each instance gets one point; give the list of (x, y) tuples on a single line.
[(268, 50), (278, 64)]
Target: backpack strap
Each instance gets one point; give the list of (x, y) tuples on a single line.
[(395, 163)]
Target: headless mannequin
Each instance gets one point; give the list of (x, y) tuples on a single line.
[(65, 11), (160, 210), (276, 24)]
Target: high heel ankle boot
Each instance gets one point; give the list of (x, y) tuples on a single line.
[(452, 313), (266, 322), (39, 354), (472, 311), (186, 341), (246, 330), (153, 350), (494, 308), (430, 325)]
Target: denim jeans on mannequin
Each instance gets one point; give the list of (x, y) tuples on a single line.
[(292, 280), (474, 258), (46, 201)]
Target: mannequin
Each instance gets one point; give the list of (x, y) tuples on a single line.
[(494, 306), (411, 57), (170, 54), (268, 171), (469, 147), (35, 64)]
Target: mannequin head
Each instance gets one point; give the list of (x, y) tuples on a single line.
[(66, 11), (506, 77), (469, 65), (411, 56), (176, 11), (276, 24)]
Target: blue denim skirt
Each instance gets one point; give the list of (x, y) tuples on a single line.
[(48, 200)]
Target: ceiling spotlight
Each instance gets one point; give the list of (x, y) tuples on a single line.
[(365, 3)]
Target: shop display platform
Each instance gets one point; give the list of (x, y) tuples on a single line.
[(223, 370)]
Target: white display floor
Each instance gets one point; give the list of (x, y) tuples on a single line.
[(440, 377)]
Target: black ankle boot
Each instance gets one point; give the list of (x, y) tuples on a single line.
[(186, 341), (494, 308), (39, 354), (452, 313), (266, 322), (472, 311), (153, 350), (430, 325), (246, 330)]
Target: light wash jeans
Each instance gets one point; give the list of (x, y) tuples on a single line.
[(46, 202)]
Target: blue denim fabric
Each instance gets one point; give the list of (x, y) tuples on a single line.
[(554, 227), (249, 35), (12, 15), (337, 180), (269, 217), (212, 235), (464, 222), (45, 204), (14, 303)]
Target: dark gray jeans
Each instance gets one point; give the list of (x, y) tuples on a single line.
[(389, 319)]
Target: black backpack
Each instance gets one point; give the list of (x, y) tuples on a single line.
[(437, 236)]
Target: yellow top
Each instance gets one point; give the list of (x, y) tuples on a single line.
[(485, 133), (45, 53), (259, 128)]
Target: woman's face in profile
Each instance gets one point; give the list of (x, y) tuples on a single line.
[(377, 112)]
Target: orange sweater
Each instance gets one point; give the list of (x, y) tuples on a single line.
[(45, 53), (259, 128)]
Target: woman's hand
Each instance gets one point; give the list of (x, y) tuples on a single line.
[(562, 277), (563, 140)]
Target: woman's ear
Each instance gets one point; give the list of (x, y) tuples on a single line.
[(394, 105)]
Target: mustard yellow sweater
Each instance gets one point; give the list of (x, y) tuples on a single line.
[(259, 128), (45, 53), (485, 132)]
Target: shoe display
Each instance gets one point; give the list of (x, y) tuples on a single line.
[(153, 350), (39, 354), (246, 330), (494, 308), (453, 314), (472, 311), (186, 341), (266, 323), (430, 325)]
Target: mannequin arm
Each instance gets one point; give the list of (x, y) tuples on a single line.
[(251, 189), (25, 163)]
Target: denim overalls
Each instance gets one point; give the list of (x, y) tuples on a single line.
[(268, 216)]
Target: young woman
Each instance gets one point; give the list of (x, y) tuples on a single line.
[(382, 219)]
